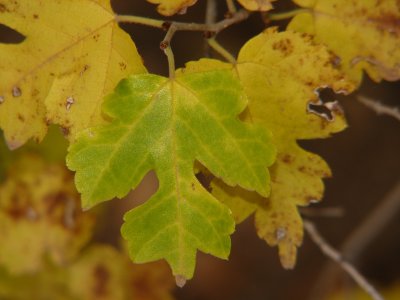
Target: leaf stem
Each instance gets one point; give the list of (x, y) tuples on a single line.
[(171, 61), (210, 18), (221, 50), (139, 20), (231, 7), (286, 15)]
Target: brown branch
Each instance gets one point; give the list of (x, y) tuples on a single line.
[(379, 108), (210, 18), (324, 212), (337, 257), (359, 239), (375, 222), (237, 17)]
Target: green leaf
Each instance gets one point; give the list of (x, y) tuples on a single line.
[(167, 125)]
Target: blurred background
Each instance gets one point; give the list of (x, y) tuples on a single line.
[(365, 160)]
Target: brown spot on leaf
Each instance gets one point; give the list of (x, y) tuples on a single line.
[(101, 278), (35, 16), (65, 131), (16, 212), (387, 22), (21, 118), (35, 92), (302, 169), (96, 37), (285, 46), (122, 66), (3, 8), (287, 159)]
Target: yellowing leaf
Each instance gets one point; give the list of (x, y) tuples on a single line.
[(364, 34), (74, 54), (40, 216), (281, 74), (99, 273), (391, 292), (167, 125), (256, 5), (171, 7)]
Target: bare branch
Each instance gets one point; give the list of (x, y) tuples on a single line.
[(359, 239), (237, 17), (379, 108), (210, 18), (337, 257), (324, 212)]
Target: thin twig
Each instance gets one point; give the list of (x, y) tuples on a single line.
[(359, 239), (286, 15), (379, 108), (231, 7), (210, 18), (370, 228), (237, 17), (337, 257), (173, 27), (211, 12), (325, 212)]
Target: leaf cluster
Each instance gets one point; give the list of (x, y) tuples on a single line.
[(237, 122)]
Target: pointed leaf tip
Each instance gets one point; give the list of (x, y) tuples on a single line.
[(180, 281)]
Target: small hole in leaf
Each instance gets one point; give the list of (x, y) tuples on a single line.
[(320, 110), (326, 107), (10, 36), (327, 95), (203, 175)]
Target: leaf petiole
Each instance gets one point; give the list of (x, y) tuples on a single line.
[(287, 15), (221, 50)]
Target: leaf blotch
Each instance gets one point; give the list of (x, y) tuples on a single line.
[(102, 277)]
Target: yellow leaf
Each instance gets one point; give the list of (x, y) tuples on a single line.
[(171, 7), (40, 215), (73, 54), (256, 5), (103, 273), (364, 34), (281, 74), (99, 273)]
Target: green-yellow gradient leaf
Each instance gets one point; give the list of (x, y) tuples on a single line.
[(364, 34), (171, 7), (281, 74), (256, 5), (73, 54), (167, 125), (40, 215)]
